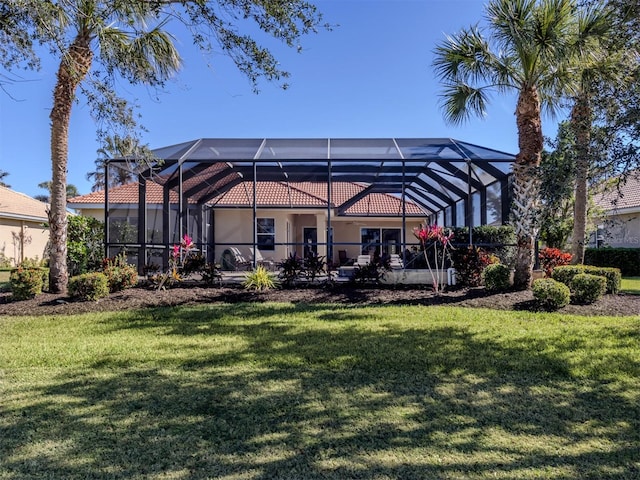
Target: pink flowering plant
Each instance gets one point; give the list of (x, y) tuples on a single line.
[(177, 258), (438, 240)]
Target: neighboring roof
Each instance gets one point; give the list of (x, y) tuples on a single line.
[(433, 172), (22, 207), (625, 198), (271, 195)]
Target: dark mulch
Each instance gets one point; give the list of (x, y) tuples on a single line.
[(190, 294)]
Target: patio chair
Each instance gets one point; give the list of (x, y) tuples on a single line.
[(342, 258), (394, 261), (260, 260), (232, 259), (362, 261)]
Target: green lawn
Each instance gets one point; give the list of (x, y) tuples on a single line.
[(261, 391), (631, 285)]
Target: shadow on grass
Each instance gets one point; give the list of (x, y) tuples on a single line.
[(336, 403)]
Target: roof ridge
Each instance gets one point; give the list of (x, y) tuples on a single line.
[(22, 194), (309, 194)]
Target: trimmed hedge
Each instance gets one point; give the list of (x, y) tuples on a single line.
[(551, 294), (27, 282), (626, 259), (588, 288), (566, 273), (89, 286), (497, 277)]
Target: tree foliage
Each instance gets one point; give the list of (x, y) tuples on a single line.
[(85, 245), (557, 172), (98, 44), (528, 48)]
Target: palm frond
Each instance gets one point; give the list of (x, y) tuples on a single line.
[(464, 57), (460, 102), (510, 22)]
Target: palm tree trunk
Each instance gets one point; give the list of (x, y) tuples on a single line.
[(580, 123), (526, 187), (73, 68)]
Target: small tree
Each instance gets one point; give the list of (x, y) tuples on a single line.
[(85, 245)]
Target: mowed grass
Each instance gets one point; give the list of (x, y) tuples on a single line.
[(263, 391), (631, 285)]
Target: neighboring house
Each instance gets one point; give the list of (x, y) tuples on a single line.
[(23, 231), (619, 219)]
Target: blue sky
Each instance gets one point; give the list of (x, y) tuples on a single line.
[(369, 77)]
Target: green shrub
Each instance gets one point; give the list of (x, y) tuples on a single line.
[(613, 276), (496, 240), (469, 263), (372, 272), (314, 265), (211, 274), (588, 288), (626, 259), (193, 263), (566, 273), (119, 273), (497, 277), (85, 244), (89, 286), (27, 282), (291, 269), (260, 279), (551, 294)]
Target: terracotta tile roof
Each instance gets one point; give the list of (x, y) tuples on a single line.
[(628, 196), (15, 204), (314, 194), (382, 204), (272, 194), (124, 194)]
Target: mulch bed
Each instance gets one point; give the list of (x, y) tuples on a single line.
[(191, 294)]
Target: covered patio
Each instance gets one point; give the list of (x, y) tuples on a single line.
[(274, 197)]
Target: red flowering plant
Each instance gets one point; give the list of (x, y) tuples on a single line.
[(551, 258), (435, 238)]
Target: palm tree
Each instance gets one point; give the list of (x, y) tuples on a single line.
[(72, 191), (129, 40), (526, 52), (601, 60), (115, 147)]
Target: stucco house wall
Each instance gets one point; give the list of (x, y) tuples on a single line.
[(619, 218), (23, 233)]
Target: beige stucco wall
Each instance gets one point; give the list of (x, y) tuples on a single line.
[(622, 230), (234, 227), (35, 241), (97, 213)]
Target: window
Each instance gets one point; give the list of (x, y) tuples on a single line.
[(266, 233), (380, 241)]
